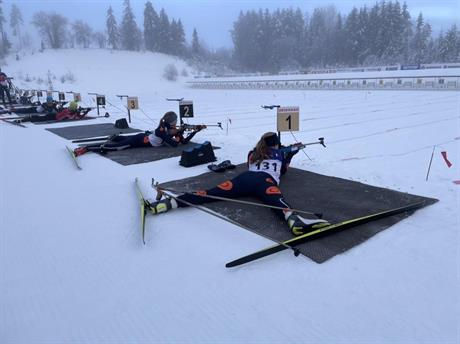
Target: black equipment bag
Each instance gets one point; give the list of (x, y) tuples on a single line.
[(121, 123), (197, 155)]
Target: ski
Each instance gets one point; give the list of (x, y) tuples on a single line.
[(291, 243), (15, 122), (73, 156), (101, 138), (142, 208)]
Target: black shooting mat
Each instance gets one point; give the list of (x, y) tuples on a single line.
[(337, 199), (142, 155), (90, 130)]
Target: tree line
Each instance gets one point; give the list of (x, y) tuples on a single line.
[(159, 34), (263, 41), (379, 35)]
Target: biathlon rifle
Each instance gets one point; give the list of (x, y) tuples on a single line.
[(270, 107), (303, 145), (188, 127), (299, 146)]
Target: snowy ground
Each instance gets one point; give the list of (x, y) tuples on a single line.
[(73, 268)]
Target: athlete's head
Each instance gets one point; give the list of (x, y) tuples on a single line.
[(271, 139), (170, 117), (73, 106), (262, 148)]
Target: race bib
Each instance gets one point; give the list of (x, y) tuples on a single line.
[(270, 166)]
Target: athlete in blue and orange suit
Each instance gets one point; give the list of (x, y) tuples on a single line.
[(267, 162), (166, 134)]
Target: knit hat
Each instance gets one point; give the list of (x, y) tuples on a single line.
[(170, 117), (272, 140)]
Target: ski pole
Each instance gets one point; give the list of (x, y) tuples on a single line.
[(319, 215), (429, 166), (222, 217)]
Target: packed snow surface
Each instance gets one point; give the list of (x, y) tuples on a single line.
[(74, 269)]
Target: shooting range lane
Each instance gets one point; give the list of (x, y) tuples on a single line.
[(142, 155), (337, 199), (90, 130)]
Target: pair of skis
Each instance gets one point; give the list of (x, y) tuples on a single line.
[(291, 243)]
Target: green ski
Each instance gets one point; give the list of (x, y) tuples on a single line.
[(142, 203), (291, 243), (74, 157)]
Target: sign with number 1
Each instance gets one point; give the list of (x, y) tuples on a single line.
[(288, 118)]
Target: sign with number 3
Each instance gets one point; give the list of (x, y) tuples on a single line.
[(133, 103)]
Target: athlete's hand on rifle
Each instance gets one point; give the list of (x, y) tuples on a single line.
[(84, 110), (297, 144), (200, 127)]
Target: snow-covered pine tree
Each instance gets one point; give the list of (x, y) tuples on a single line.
[(180, 39), (177, 38), (151, 22), (351, 29), (5, 44), (113, 36), (164, 33), (407, 32), (420, 40), (129, 32), (196, 47), (451, 45), (16, 23)]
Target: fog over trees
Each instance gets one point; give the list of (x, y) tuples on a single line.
[(263, 40), (382, 34)]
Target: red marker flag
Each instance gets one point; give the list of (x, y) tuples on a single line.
[(444, 155)]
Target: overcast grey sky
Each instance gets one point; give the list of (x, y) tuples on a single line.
[(214, 18)]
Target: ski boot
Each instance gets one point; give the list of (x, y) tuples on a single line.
[(80, 151), (300, 225), (162, 206)]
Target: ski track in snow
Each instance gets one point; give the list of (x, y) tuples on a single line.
[(73, 268)]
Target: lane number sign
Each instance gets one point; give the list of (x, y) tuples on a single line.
[(133, 103), (186, 108), (288, 118)]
